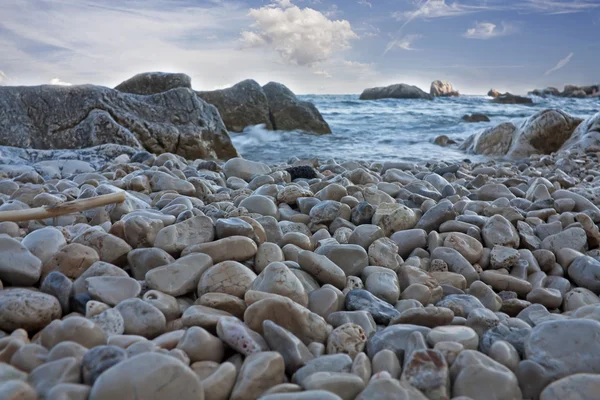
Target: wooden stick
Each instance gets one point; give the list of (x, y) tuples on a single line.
[(69, 207)]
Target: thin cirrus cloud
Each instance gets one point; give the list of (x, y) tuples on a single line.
[(430, 9), (300, 36), (488, 30), (403, 43), (558, 6), (365, 3), (560, 64)]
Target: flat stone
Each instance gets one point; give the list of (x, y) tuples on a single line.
[(427, 316), (112, 290), (501, 282), (174, 238), (18, 266), (181, 276), (259, 372), (470, 248), (232, 248), (239, 337), (228, 277), (572, 238), (360, 299), (295, 353), (351, 258)]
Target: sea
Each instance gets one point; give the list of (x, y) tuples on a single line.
[(393, 129)]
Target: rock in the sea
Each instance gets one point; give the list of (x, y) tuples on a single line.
[(397, 91), (244, 104), (475, 117), (508, 98), (443, 141), (442, 89), (75, 117), (287, 113), (493, 93), (154, 82)]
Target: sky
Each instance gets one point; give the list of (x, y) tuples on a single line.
[(312, 46)]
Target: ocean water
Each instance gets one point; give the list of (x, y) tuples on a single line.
[(393, 129)]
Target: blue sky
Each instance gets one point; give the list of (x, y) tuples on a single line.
[(313, 46)]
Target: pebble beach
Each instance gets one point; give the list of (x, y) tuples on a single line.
[(309, 279)]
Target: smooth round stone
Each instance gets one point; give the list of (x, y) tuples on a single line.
[(72, 260), (395, 338), (499, 231), (112, 290), (44, 243), (297, 239), (343, 384), (148, 376), (70, 391), (141, 231), (360, 299), (200, 345), (59, 286), (224, 302), (228, 277), (27, 309), (456, 263), (481, 320), (18, 266), (75, 329), (8, 372), (307, 326), (295, 353), (394, 217), (324, 363), (565, 347), (233, 248), (504, 353), (141, 318), (585, 272), (469, 247), (579, 297), (322, 268), (99, 268), (385, 388), (278, 279), (244, 169), (324, 301), (383, 283), (501, 282), (449, 350), (66, 349), (239, 337), (351, 258), (28, 357), (266, 254), (425, 316), (549, 298), (259, 204), (474, 374), (348, 338), (572, 238), (427, 370), (174, 238), (219, 384), (386, 360), (485, 295), (204, 317), (142, 261), (166, 304), (460, 334), (259, 372), (50, 374), (181, 276), (360, 318), (110, 248), (577, 386), (110, 321), (99, 359), (17, 390), (233, 227), (460, 304)]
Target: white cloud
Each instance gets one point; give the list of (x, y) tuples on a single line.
[(300, 36), (559, 6), (3, 78), (488, 30), (365, 3), (321, 73), (437, 9), (560, 64), (58, 82), (403, 43)]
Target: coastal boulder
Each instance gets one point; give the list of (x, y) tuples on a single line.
[(493, 93), (442, 89), (154, 82), (475, 117), (586, 137), (397, 91), (508, 98), (244, 104), (287, 113), (75, 117), (495, 140)]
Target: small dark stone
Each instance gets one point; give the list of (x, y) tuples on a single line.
[(140, 157), (303, 171), (475, 117), (444, 170), (59, 286), (210, 166), (77, 302), (360, 299), (99, 359), (507, 295)]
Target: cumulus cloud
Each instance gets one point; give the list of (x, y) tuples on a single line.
[(488, 30), (300, 36), (58, 82), (560, 64), (403, 43)]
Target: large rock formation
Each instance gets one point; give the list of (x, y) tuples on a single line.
[(75, 117), (288, 113), (508, 98), (241, 105), (543, 133), (442, 89), (569, 91), (154, 82), (398, 91), (274, 105), (586, 137)]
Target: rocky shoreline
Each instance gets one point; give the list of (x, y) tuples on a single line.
[(304, 280)]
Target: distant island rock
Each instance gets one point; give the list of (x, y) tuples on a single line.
[(494, 93), (475, 117), (397, 91), (544, 132), (442, 89), (76, 117), (508, 98), (571, 91)]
